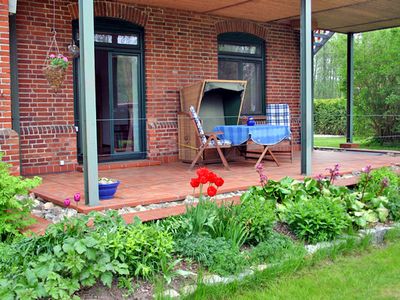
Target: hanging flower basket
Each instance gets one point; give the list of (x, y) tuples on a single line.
[(55, 65), (55, 75)]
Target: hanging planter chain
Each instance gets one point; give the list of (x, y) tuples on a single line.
[(54, 73)]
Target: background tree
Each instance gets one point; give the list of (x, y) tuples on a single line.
[(376, 78), (377, 83)]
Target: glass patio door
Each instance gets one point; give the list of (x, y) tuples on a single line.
[(127, 126), (119, 109), (120, 100)]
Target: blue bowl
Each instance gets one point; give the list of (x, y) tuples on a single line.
[(107, 191)]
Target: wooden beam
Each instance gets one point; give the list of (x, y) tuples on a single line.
[(296, 24)]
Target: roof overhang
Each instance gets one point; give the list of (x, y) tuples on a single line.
[(336, 15)]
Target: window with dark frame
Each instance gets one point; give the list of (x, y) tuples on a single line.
[(241, 56)]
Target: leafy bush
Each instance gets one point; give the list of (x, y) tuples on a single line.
[(289, 189), (71, 255), (383, 182), (369, 210), (317, 219), (257, 214), (216, 254), (277, 248), (177, 226), (330, 116), (14, 213), (228, 261), (201, 248)]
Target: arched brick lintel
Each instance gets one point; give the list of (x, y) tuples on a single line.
[(241, 26), (112, 10)]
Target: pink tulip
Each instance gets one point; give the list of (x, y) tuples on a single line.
[(67, 202), (52, 56), (65, 59)]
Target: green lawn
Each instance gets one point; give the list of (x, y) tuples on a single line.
[(375, 275), (364, 144), (356, 272)]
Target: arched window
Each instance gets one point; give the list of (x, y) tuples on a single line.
[(241, 56)]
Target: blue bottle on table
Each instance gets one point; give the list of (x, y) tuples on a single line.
[(251, 121)]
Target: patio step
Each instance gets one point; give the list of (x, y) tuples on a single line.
[(123, 165), (145, 216), (162, 213)]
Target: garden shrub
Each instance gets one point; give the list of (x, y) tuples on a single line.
[(383, 182), (316, 219), (376, 198), (257, 214), (330, 116), (14, 212), (71, 255), (228, 261), (277, 248), (201, 248), (217, 254)]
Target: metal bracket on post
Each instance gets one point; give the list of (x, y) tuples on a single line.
[(306, 87), (87, 96)]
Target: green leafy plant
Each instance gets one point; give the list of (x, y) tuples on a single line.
[(216, 254), (201, 248), (58, 60), (317, 219), (228, 261), (72, 255), (257, 215), (382, 182), (276, 248), (14, 211)]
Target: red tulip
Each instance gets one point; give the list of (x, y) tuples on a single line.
[(202, 172), (203, 179), (212, 177), (194, 182), (211, 191), (219, 181)]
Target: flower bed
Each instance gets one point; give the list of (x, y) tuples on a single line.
[(224, 242)]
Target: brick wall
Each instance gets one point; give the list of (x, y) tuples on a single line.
[(180, 48), (9, 141), (47, 118)]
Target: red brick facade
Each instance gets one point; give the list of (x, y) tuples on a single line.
[(180, 48)]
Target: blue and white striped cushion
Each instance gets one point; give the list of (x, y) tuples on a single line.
[(198, 124)]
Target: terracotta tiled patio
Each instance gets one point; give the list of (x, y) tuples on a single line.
[(170, 182)]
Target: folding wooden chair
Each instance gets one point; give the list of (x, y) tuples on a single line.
[(279, 114), (276, 114), (208, 141)]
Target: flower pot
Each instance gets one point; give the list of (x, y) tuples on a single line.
[(55, 75), (107, 190)]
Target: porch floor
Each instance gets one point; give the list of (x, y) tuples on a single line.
[(170, 182)]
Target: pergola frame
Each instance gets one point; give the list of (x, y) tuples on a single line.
[(87, 91)]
